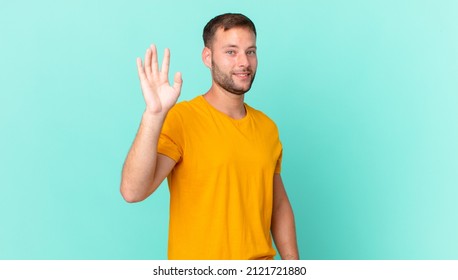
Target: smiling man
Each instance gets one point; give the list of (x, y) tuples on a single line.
[(222, 157)]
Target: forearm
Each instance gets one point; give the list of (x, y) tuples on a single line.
[(140, 165), (284, 231)]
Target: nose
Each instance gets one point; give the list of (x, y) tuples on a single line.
[(242, 60)]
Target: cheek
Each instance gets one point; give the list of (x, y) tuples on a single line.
[(225, 65), (222, 62), (254, 63)]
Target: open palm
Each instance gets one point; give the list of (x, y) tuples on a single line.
[(159, 95)]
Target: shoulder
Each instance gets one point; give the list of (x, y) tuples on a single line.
[(186, 107), (185, 113), (260, 116), (181, 109)]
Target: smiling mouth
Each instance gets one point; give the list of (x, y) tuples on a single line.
[(242, 75)]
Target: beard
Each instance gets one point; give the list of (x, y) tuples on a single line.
[(227, 82)]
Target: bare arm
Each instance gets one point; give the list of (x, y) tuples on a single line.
[(283, 227), (144, 169)]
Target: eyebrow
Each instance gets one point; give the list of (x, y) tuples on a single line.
[(235, 46)]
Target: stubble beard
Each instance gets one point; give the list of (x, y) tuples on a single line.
[(226, 81)]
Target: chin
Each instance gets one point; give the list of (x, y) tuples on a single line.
[(239, 91)]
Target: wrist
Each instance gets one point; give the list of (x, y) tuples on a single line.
[(152, 116), (152, 120)]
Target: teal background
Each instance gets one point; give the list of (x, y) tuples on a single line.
[(365, 94)]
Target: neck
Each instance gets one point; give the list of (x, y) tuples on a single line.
[(226, 102)]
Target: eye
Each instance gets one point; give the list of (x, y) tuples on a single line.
[(230, 52), (251, 52)]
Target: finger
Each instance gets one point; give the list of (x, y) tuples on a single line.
[(154, 67), (177, 82), (140, 70), (147, 69), (165, 65)]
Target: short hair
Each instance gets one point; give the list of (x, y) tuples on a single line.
[(225, 21)]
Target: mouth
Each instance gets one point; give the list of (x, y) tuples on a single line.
[(242, 74)]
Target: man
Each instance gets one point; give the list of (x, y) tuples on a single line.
[(222, 157)]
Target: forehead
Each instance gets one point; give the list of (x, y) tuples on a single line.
[(236, 36)]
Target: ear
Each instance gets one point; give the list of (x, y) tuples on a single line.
[(207, 57)]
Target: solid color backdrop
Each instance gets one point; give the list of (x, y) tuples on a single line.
[(365, 94)]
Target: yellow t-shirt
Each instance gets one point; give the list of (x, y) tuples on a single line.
[(221, 187)]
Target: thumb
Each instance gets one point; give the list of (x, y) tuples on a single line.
[(177, 82)]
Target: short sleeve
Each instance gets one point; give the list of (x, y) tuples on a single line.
[(278, 165), (171, 138)]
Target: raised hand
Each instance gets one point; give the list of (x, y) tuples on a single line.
[(159, 95)]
